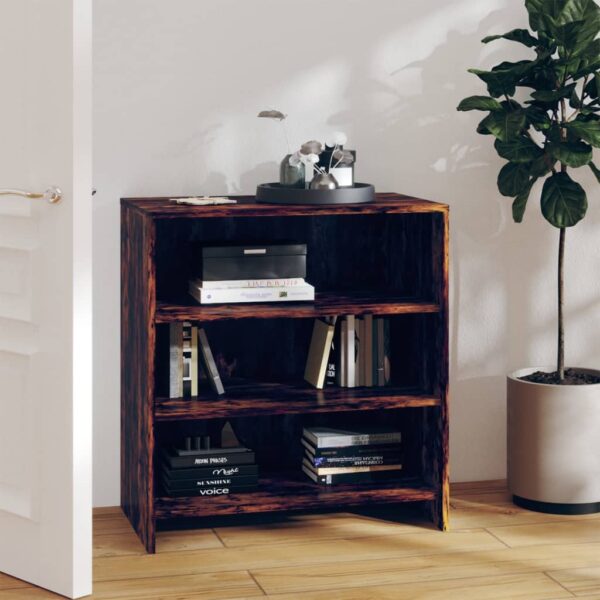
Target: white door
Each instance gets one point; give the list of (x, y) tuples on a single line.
[(45, 294)]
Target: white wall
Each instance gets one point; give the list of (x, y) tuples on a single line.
[(177, 88)]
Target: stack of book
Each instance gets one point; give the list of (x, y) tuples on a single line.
[(357, 354), (237, 291), (269, 273), (207, 471), (190, 357), (356, 456)]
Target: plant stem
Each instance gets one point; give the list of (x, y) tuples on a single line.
[(560, 367)]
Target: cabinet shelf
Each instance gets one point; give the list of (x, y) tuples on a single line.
[(388, 258), (249, 399), (325, 304), (294, 491)]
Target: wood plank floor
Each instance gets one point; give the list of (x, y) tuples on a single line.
[(493, 551)]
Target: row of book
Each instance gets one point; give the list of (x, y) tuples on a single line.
[(194, 470), (349, 352), (334, 456), (190, 360)]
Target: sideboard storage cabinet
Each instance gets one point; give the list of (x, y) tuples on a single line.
[(388, 259)]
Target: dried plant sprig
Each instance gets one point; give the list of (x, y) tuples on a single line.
[(272, 114), (277, 115), (343, 157)]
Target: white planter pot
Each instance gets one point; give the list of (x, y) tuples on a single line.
[(554, 444)]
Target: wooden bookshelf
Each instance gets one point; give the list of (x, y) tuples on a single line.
[(388, 258)]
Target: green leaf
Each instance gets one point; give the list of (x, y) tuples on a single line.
[(513, 179), (519, 150), (553, 95), (520, 203), (516, 35), (564, 202), (479, 103), (573, 154), (481, 129), (541, 166), (592, 89), (537, 117), (536, 10), (505, 125), (595, 170), (586, 130), (502, 79), (548, 16)]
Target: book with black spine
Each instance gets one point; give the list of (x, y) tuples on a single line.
[(191, 484), (328, 437), (208, 472), (216, 460), (331, 376), (391, 458), (212, 491), (343, 470), (352, 478), (358, 451)]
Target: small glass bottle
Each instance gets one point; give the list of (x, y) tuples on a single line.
[(291, 175)]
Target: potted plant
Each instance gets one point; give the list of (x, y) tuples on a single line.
[(553, 413)]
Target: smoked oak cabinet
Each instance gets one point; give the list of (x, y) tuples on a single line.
[(388, 258)]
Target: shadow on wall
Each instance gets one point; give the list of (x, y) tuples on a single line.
[(191, 77)]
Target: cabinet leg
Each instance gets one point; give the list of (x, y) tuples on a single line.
[(440, 510)]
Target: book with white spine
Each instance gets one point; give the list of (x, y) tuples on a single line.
[(298, 293), (247, 283)]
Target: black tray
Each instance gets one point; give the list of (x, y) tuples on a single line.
[(275, 193)]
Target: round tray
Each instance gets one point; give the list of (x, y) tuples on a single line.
[(275, 193)]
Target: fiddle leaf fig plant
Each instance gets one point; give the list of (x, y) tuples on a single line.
[(555, 129)]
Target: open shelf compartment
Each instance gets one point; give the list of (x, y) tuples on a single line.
[(287, 491)]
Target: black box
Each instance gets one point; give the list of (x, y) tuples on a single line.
[(271, 261)]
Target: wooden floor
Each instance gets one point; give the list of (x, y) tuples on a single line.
[(494, 550)]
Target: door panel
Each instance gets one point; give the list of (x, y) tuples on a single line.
[(45, 295)]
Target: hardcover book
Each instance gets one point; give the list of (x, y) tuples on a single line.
[(212, 372), (297, 293), (318, 353), (345, 470), (247, 283), (212, 491), (327, 437), (216, 460), (191, 484), (367, 348), (369, 477), (392, 458), (354, 451), (350, 351), (175, 360), (208, 472)]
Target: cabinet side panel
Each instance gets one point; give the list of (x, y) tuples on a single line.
[(137, 372), (442, 261)]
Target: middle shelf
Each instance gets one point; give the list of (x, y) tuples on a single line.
[(250, 398), (325, 304)]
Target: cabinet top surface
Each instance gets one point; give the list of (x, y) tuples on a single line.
[(164, 208)]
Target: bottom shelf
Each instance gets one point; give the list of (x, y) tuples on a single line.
[(293, 491)]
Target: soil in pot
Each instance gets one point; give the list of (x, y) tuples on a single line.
[(572, 377)]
